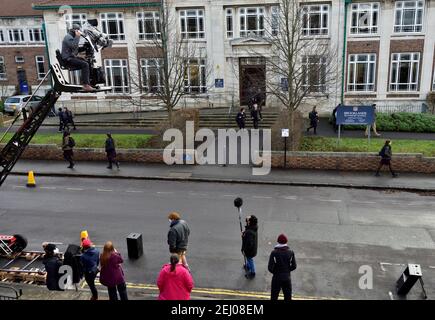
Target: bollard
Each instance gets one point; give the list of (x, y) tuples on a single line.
[(134, 245)]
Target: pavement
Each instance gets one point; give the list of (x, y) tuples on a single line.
[(231, 174)]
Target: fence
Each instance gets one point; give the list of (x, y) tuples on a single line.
[(415, 108)]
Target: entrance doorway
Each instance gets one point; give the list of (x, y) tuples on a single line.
[(252, 80)]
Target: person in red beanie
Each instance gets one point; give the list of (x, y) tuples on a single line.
[(90, 260), (282, 261)]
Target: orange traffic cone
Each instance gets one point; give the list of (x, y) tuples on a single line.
[(31, 180)]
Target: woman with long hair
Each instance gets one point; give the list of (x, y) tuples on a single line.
[(175, 281), (111, 274)]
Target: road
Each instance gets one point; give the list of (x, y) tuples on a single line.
[(332, 231)]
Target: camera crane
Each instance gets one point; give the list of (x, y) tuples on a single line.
[(94, 41)]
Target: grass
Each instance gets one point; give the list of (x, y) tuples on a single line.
[(122, 141), (427, 147)]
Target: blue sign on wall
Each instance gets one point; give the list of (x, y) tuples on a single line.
[(24, 88), (355, 115), (219, 83)]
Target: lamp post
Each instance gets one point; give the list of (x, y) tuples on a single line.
[(343, 56)]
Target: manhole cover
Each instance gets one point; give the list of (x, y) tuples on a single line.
[(180, 174)]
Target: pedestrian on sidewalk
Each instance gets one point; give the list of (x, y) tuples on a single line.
[(282, 261), (178, 236), (175, 281), (61, 119), (250, 245), (52, 263), (386, 154), (90, 259), (241, 118), (111, 274), (111, 151), (68, 144), (314, 120), (255, 115), (70, 118), (374, 124)]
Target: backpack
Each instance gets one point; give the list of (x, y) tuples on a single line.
[(71, 142), (382, 152)]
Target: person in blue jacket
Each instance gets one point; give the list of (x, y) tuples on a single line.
[(90, 259)]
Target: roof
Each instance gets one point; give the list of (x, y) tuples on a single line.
[(18, 8), (83, 4)]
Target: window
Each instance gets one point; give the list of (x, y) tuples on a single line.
[(361, 72), (148, 25), (19, 59), (117, 75), (113, 25), (36, 35), (274, 20), (404, 71), (152, 74), (40, 68), (315, 20), (409, 16), (365, 17), (192, 24), (251, 22), (16, 35), (2, 69), (314, 73), (78, 18), (2, 36), (195, 76), (230, 23)]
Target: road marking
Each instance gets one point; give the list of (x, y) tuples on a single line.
[(327, 200), (104, 190), (21, 187), (431, 267), (197, 194), (134, 191), (48, 188), (291, 198), (75, 189), (228, 195), (389, 264), (261, 197), (391, 295), (363, 202), (164, 192)]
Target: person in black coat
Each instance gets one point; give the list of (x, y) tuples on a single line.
[(250, 245), (255, 115), (386, 155), (61, 119), (282, 261), (52, 264), (314, 120), (111, 151), (241, 118)]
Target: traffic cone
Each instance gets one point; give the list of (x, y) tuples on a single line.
[(31, 180)]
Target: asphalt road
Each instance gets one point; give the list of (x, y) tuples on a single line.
[(332, 231)]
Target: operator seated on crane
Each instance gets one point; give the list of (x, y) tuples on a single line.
[(70, 50)]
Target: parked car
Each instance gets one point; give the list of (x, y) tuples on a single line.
[(16, 103)]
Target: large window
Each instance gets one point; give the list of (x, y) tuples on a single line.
[(148, 23), (195, 78), (315, 20), (152, 74), (314, 73), (365, 17), (113, 25), (192, 24), (16, 35), (409, 16), (2, 36), (230, 23), (274, 20), (36, 35), (117, 75), (251, 21), (2, 68), (40, 68), (404, 71), (77, 18), (361, 72)]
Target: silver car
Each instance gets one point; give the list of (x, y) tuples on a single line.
[(16, 103)]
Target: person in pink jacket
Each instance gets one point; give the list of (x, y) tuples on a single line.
[(175, 281)]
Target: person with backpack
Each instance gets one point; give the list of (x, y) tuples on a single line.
[(175, 281), (111, 151), (386, 155), (314, 120), (241, 118), (70, 118), (282, 262), (68, 144), (250, 245)]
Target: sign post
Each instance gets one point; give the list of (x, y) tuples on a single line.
[(355, 115), (285, 134)]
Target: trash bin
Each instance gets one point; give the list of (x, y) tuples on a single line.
[(408, 278), (134, 245)]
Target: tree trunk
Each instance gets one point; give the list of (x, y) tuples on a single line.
[(291, 126), (170, 118)]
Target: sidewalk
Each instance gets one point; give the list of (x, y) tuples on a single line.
[(230, 174)]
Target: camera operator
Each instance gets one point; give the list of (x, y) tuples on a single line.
[(70, 49)]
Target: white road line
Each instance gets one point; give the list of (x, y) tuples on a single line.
[(48, 188), (327, 200), (22, 187), (261, 197), (104, 190), (228, 195), (75, 189), (164, 192), (431, 267), (364, 202), (291, 198), (197, 194), (134, 191)]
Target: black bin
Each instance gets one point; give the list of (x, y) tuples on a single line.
[(408, 278), (134, 245)]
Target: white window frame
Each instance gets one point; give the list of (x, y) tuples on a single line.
[(370, 10), (396, 62), (118, 18), (229, 22), (146, 64), (35, 31), (399, 12), (199, 16), (39, 72), (323, 10), (321, 85), (259, 15), (75, 18), (19, 59), (12, 34), (274, 20), (3, 75), (124, 88), (202, 83), (2, 36), (369, 59), (142, 18)]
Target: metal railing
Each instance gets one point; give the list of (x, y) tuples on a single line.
[(420, 108), (9, 293)]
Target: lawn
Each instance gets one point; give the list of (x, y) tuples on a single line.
[(124, 141), (427, 147)]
